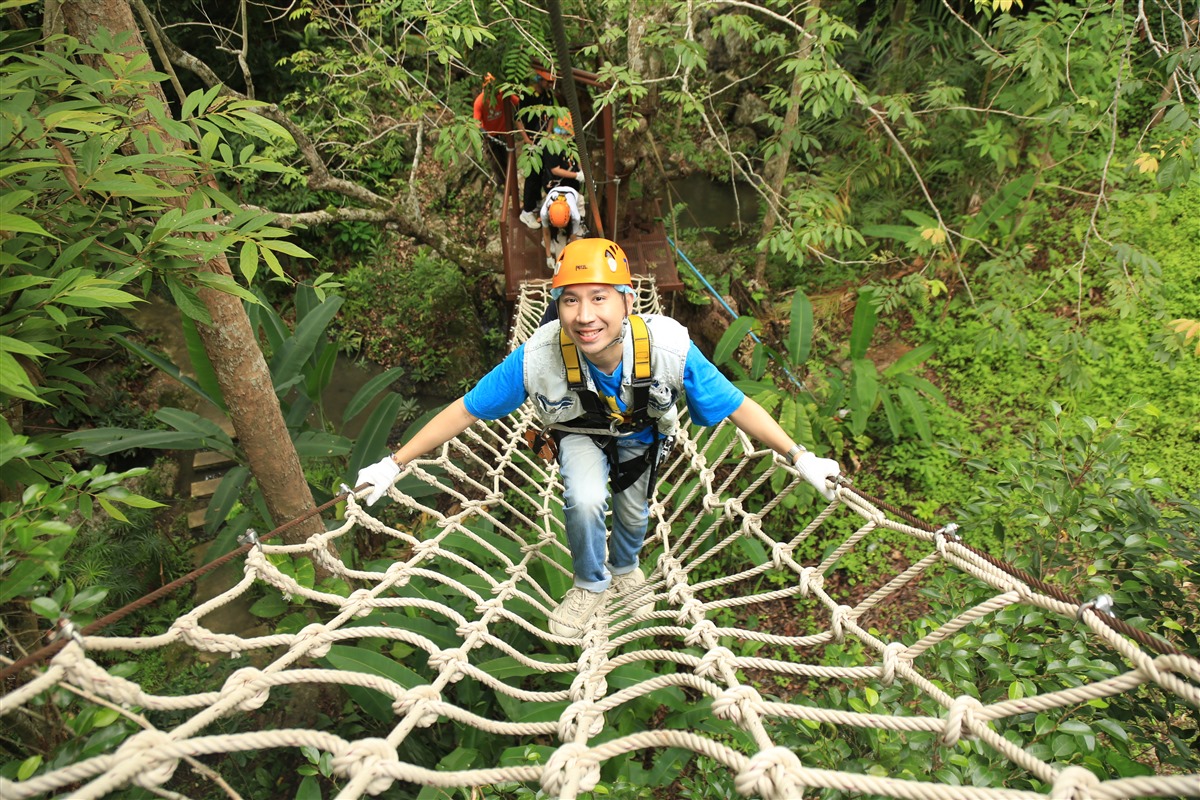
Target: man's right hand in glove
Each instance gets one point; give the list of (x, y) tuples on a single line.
[(381, 476), (818, 472)]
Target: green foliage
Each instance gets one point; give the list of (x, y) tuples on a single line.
[(833, 392), (301, 363), (1073, 509), (420, 319), (35, 535)]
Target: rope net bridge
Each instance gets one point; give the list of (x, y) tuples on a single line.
[(461, 645)]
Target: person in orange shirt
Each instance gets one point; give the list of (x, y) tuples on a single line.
[(493, 113)]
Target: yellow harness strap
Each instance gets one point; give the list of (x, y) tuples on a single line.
[(641, 367)]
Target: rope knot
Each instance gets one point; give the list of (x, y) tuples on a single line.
[(837, 624), (568, 722), (772, 774), (810, 580), (715, 662), (149, 747), (566, 762), (450, 662), (313, 636), (425, 547), (733, 507), (689, 609), (702, 630), (891, 660), (414, 701), (587, 685), (361, 600), (779, 555), (959, 719), (397, 574), (247, 681), (737, 704), (1075, 783), (367, 754), (472, 628)]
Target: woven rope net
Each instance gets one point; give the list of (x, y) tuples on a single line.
[(488, 512)]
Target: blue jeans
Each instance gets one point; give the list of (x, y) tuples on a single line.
[(584, 471)]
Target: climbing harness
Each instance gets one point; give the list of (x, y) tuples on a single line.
[(605, 412)]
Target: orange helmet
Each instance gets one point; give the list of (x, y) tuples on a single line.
[(591, 261), (559, 212)]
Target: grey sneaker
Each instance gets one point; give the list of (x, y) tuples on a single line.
[(624, 586), (531, 220), (573, 613)]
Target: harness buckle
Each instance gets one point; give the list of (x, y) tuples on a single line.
[(542, 444)]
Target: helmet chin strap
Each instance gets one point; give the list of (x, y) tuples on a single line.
[(616, 341), (620, 337)]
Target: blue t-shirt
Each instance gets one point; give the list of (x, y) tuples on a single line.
[(710, 396)]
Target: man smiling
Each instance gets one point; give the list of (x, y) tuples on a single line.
[(605, 384)]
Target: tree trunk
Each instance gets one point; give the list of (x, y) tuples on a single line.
[(230, 341), (777, 168)]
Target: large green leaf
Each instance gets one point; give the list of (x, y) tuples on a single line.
[(105, 441), (16, 379), (296, 350), (206, 376), (263, 317), (799, 341), (1000, 209), (360, 659), (435, 630), (732, 338), (916, 412), (227, 493), (191, 422), (169, 367), (864, 388), (863, 328), (319, 444), (909, 360), (319, 376), (902, 233), (893, 414), (372, 441), (369, 391)]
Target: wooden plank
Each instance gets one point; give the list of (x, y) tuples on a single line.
[(205, 488)]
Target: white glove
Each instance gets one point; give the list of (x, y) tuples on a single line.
[(816, 471), (381, 476), (579, 177), (550, 263)]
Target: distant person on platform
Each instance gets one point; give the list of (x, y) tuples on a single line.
[(562, 222), (560, 163), (535, 117), (493, 113)]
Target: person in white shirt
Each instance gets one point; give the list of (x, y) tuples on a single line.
[(562, 222)]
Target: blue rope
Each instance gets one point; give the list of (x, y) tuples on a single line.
[(725, 305)]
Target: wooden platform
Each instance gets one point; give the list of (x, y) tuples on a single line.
[(644, 241)]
